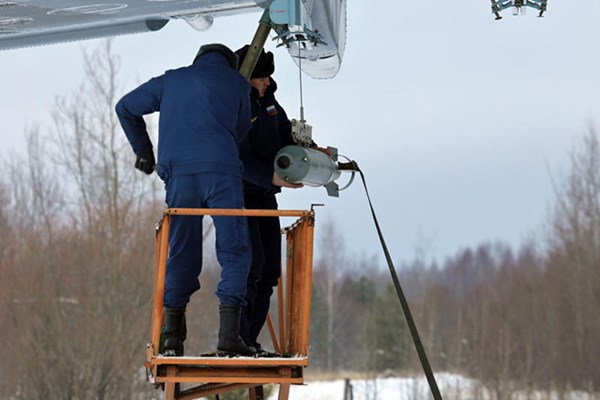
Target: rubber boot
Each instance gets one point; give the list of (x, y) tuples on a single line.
[(230, 342), (174, 333)]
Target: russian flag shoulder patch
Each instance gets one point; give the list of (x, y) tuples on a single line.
[(272, 110)]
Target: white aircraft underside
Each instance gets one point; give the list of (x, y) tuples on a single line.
[(27, 23)]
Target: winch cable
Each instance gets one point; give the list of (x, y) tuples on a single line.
[(353, 166), (300, 81)]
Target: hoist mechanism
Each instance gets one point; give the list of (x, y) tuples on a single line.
[(518, 6), (290, 21)]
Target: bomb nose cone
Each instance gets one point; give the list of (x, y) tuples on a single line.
[(284, 162)]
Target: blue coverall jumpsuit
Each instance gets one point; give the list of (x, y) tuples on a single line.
[(204, 115)]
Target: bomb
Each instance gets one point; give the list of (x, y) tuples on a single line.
[(297, 164)]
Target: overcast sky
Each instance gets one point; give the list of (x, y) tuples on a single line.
[(457, 120)]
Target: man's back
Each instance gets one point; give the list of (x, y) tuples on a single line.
[(200, 108), (204, 114)]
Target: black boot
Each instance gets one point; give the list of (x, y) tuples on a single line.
[(230, 342), (260, 352), (174, 332)]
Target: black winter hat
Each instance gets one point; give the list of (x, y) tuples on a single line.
[(221, 49), (265, 66)]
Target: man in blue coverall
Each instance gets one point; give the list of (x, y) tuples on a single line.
[(204, 115)]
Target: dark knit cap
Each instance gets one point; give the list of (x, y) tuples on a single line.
[(221, 49), (265, 66)]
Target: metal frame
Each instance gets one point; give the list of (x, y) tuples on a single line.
[(216, 374), (500, 5)]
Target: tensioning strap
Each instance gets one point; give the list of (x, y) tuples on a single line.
[(407, 314)]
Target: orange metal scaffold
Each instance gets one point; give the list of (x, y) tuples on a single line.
[(217, 374)]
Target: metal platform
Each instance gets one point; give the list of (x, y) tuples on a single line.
[(216, 375)]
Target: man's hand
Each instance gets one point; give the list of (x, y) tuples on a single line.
[(146, 162), (277, 181)]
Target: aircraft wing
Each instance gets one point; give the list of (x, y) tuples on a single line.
[(26, 23), (38, 22)]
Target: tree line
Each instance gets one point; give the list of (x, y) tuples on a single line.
[(76, 260)]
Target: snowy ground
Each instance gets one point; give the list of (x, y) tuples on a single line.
[(373, 389), (452, 387)]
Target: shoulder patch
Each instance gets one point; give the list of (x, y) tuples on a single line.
[(272, 110)]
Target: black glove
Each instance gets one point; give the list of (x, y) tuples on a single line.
[(145, 162)]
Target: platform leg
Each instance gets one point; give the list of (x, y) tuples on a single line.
[(256, 393), (284, 391), (169, 391), (171, 387)]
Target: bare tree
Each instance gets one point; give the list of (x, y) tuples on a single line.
[(82, 259), (94, 154), (574, 262)]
